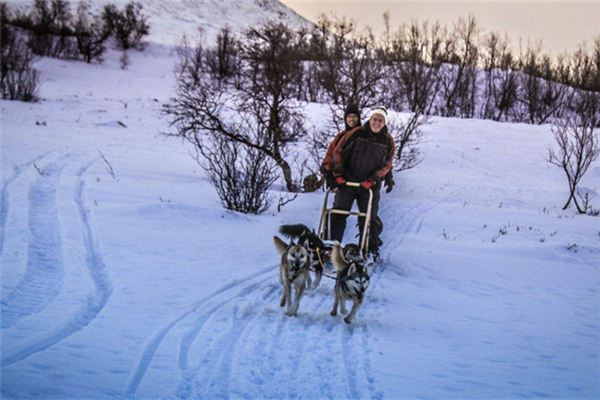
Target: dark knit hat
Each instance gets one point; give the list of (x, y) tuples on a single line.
[(351, 109)]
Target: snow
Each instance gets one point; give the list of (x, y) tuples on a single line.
[(142, 286), (170, 20)]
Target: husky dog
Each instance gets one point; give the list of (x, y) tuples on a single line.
[(293, 272), (352, 282), (312, 242)]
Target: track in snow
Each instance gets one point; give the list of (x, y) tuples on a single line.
[(44, 275), (262, 352), (94, 302), (4, 200)]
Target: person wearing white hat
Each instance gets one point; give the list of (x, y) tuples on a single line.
[(365, 154)]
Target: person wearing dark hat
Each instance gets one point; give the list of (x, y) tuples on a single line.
[(351, 120), (364, 154)]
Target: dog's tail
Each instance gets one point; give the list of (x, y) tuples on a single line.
[(337, 258), (280, 245), (294, 231)]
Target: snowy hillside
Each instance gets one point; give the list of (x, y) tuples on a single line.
[(171, 20), (123, 277)]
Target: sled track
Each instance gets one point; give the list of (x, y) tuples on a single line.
[(4, 200), (44, 275), (215, 378), (153, 344), (316, 359), (94, 302), (261, 350)]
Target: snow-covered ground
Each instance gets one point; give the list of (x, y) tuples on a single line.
[(170, 20), (141, 285)]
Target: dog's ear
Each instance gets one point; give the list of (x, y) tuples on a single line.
[(280, 245), (352, 269), (366, 270), (337, 258)]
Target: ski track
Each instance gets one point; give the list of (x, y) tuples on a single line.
[(4, 200), (149, 350), (218, 386), (95, 302), (312, 354), (44, 275)]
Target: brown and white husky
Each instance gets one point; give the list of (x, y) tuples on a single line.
[(351, 284), (293, 272)]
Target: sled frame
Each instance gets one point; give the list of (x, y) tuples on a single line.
[(324, 231)]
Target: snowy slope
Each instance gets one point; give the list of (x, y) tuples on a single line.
[(141, 285), (170, 20)]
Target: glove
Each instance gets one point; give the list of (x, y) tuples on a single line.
[(339, 181), (366, 184), (389, 184), (329, 181)]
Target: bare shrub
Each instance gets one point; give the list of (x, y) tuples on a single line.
[(51, 31), (128, 26), (240, 174), (407, 136), (90, 34), (578, 145), (18, 79)]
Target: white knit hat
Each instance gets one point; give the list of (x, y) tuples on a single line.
[(381, 110)]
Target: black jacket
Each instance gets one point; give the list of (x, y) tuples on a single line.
[(361, 154)]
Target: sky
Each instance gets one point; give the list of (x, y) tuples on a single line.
[(561, 26)]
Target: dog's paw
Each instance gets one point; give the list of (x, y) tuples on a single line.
[(290, 313), (333, 313), (348, 320)]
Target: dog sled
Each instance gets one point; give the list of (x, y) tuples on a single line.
[(362, 247), (310, 252)]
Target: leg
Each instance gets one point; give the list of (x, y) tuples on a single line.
[(282, 281), (344, 197), (355, 306), (343, 308), (287, 296), (335, 303), (299, 292)]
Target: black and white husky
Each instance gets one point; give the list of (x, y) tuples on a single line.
[(293, 272), (303, 235), (351, 284)]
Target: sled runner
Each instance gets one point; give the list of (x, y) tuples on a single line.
[(325, 221)]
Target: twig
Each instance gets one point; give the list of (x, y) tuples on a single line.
[(109, 167)]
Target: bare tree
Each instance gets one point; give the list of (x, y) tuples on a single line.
[(540, 94), (223, 61), (459, 77), (578, 145), (407, 136), (260, 114), (350, 69), (415, 64), (501, 79)]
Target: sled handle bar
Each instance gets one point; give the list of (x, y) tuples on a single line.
[(353, 184), (326, 212)]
